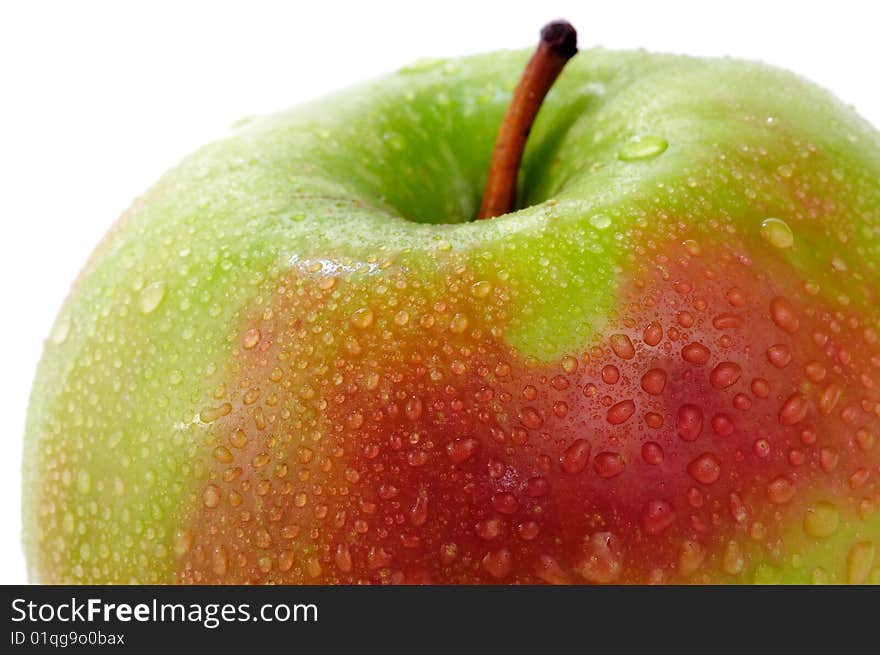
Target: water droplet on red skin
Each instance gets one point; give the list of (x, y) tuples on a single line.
[(690, 422), (727, 321), (620, 412), (548, 570), (783, 315), (461, 450), (722, 425), (705, 469), (793, 410), (654, 381), (653, 334), (724, 375), (695, 353), (499, 563), (657, 516), (622, 346), (608, 465), (575, 458), (780, 490), (652, 453), (779, 355)]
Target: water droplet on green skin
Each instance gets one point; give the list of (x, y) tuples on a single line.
[(777, 233), (83, 482), (642, 147), (395, 140), (600, 221), (421, 65), (151, 297), (61, 329)]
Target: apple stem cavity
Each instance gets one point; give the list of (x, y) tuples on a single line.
[(558, 44)]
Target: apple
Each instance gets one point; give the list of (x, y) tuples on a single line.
[(297, 359)]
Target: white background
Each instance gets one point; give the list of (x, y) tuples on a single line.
[(97, 99)]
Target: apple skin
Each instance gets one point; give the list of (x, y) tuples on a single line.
[(294, 360)]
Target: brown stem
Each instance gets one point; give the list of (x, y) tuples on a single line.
[(558, 44)]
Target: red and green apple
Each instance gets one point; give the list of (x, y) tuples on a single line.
[(297, 359)]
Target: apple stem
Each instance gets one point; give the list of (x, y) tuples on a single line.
[(558, 44)]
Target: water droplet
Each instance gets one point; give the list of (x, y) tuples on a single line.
[(815, 371), (219, 560), (528, 530), (214, 413), (760, 387), (777, 233), (413, 409), (182, 542), (653, 334), (505, 503), (657, 515), (481, 289), (761, 448), (654, 381), (859, 561), (821, 520), (828, 458), (608, 465), (461, 450), (251, 339), (736, 297), (537, 487), (600, 221), (724, 375), (695, 353), (211, 496), (342, 558), (548, 569), (765, 574), (622, 346), (779, 355), (421, 65), (395, 140), (83, 482), (363, 318), (61, 329), (737, 507), (489, 529), (690, 558), (576, 456), (733, 561), (418, 515), (652, 453), (705, 469), (780, 490), (829, 397), (151, 297), (610, 374), (642, 147), (783, 315), (620, 412), (690, 422), (726, 321), (313, 567), (603, 559), (722, 425), (793, 410), (458, 324), (531, 418), (865, 439), (498, 563)]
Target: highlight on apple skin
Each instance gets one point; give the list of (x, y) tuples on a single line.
[(296, 359)]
